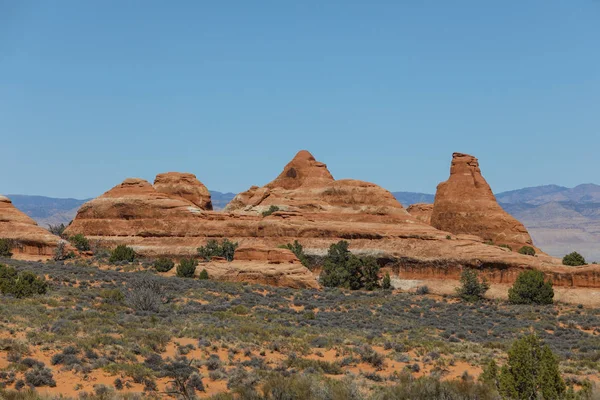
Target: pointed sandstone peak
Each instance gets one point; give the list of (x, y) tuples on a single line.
[(466, 204), (303, 170), (184, 185)]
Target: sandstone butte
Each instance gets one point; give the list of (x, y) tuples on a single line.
[(29, 239), (317, 210), (466, 204)]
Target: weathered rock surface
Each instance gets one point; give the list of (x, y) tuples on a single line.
[(277, 267), (28, 237), (306, 185), (184, 185), (421, 211), (316, 210), (465, 204)]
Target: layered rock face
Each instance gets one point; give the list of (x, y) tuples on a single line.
[(267, 266), (28, 237), (465, 204), (421, 211), (315, 209), (186, 186)]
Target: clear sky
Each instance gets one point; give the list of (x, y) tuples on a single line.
[(92, 92)]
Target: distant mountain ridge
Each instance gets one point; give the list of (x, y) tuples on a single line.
[(559, 219)]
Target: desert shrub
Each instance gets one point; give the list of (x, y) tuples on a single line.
[(61, 252), (180, 373), (186, 268), (343, 269), (164, 264), (531, 371), (40, 377), (213, 249), (80, 242), (308, 386), (146, 293), (527, 250), (298, 251), (6, 246), (270, 211), (203, 274), (531, 288), (421, 290), (22, 284), (471, 287), (122, 253), (112, 296), (573, 259), (506, 246), (387, 282)]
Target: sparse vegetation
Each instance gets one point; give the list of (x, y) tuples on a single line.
[(530, 287), (187, 268), (527, 250), (122, 253), (344, 269), (270, 211), (212, 249), (6, 246), (574, 259), (203, 274), (255, 341), (471, 287)]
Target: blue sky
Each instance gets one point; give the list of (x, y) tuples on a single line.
[(92, 92)]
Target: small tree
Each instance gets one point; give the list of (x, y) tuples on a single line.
[(186, 268), (58, 230), (298, 251), (122, 253), (531, 371), (527, 250), (472, 288), (531, 288), (164, 264), (6, 246), (203, 274), (21, 284), (80, 242), (387, 281), (344, 269), (489, 376), (573, 259)]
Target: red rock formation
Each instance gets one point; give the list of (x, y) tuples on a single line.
[(315, 209), (186, 186), (465, 204), (421, 211), (29, 238), (307, 186)]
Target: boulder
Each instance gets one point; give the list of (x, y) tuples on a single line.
[(186, 186)]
